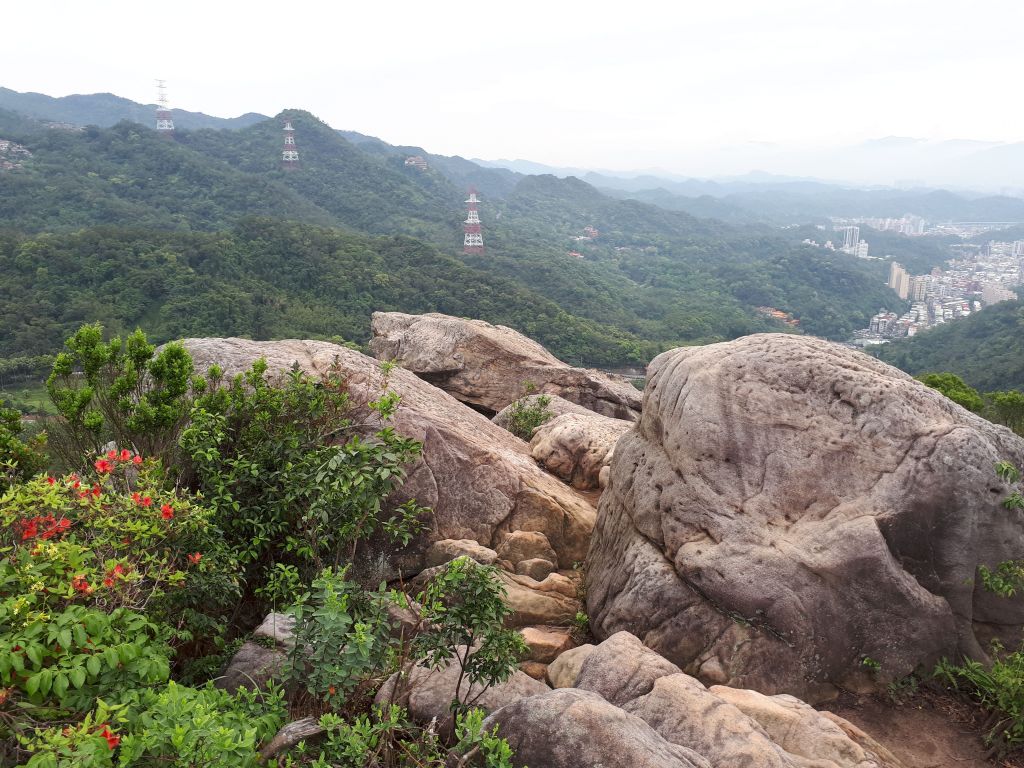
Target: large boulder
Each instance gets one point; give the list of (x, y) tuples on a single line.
[(429, 693), (478, 479), (577, 447), (489, 366), (622, 684), (568, 728), (787, 509)]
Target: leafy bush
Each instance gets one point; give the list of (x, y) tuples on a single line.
[(289, 476), (956, 389), (120, 391), (19, 460), (999, 688), (528, 413)]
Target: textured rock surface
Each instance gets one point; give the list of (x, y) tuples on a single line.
[(568, 728), (565, 670), (546, 643), (550, 602), (536, 568), (488, 365), (803, 731), (577, 446), (526, 545), (431, 691), (718, 727), (252, 666), (445, 550), (478, 479), (786, 507)]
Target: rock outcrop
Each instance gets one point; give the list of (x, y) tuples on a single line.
[(578, 447), (786, 509), (632, 707), (478, 479), (488, 366)]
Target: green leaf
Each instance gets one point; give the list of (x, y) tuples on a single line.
[(32, 684), (94, 665), (77, 676)]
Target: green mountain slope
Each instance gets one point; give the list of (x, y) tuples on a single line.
[(986, 350), (654, 278), (263, 279)]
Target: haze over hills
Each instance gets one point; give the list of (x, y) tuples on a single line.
[(668, 268), (654, 278)]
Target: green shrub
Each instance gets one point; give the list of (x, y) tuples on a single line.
[(291, 478), (19, 459), (119, 391), (528, 413)]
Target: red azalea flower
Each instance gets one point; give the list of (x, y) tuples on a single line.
[(51, 480), (195, 557), (118, 570), (108, 582), (137, 460), (136, 497), (111, 454), (96, 490), (30, 530), (112, 738), (102, 466), (125, 454), (64, 524), (81, 584), (166, 512), (146, 501), (75, 484)]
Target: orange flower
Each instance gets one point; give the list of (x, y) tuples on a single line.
[(137, 460), (166, 512), (112, 738), (102, 466), (111, 454), (125, 454), (195, 557)]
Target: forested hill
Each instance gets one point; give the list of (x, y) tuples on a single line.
[(985, 349), (262, 279), (652, 279)]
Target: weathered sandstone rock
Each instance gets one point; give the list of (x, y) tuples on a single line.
[(569, 728), (441, 552), (536, 568), (786, 508), (526, 545), (546, 643), (547, 602), (490, 365), (622, 669), (431, 691), (577, 446), (477, 478), (535, 669), (803, 731), (252, 667), (564, 671)]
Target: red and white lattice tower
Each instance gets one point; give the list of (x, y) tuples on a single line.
[(290, 152), (164, 123), (474, 239)]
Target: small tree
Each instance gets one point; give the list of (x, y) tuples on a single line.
[(122, 392)]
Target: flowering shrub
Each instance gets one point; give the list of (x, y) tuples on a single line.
[(114, 538)]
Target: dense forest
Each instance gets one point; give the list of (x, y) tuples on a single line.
[(122, 225)]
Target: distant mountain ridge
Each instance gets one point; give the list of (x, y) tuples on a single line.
[(106, 109)]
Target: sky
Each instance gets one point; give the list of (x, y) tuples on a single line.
[(682, 86)]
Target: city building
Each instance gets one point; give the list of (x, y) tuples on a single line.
[(899, 280)]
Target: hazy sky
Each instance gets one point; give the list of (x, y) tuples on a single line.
[(614, 85)]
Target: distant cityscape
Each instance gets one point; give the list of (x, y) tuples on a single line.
[(978, 276)]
